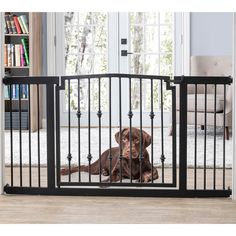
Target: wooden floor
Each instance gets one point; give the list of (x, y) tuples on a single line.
[(60, 209), (51, 209)]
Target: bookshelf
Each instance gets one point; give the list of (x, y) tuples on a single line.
[(17, 67)]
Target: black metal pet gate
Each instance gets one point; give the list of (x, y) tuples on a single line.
[(28, 177)]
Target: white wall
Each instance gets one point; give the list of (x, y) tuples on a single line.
[(211, 33)]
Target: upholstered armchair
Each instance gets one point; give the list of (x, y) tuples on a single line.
[(209, 66)]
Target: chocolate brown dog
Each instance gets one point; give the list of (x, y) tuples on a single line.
[(124, 165)]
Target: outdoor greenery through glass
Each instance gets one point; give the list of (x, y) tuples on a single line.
[(86, 52)]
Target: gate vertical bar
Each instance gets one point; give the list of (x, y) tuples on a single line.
[(11, 135), (38, 135), (183, 136), (89, 130), (130, 115), (224, 136), (69, 157), (174, 134), (141, 129), (20, 134), (195, 140), (120, 122), (58, 138), (214, 152), (78, 117), (99, 114), (50, 137), (162, 137), (152, 117), (205, 137), (29, 122), (110, 156)]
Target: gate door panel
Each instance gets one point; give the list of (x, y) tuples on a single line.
[(138, 145)]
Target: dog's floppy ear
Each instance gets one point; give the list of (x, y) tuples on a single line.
[(147, 139), (117, 135)]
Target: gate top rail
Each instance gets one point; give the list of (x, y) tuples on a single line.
[(177, 79), (203, 79), (116, 75), (7, 80)]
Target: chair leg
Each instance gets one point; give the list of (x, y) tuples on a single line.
[(202, 127), (227, 133)]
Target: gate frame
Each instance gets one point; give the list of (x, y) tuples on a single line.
[(52, 189)]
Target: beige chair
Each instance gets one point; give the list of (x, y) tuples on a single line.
[(209, 66)]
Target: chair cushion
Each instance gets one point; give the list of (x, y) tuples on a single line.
[(210, 102)]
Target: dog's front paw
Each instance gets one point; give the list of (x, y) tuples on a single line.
[(105, 172), (147, 177), (64, 171)]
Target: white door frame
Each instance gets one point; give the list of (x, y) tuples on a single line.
[(51, 43)]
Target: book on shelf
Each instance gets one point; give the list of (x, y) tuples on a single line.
[(8, 23), (20, 91), (16, 24), (5, 55), (9, 61), (25, 44), (6, 28), (22, 58), (13, 26), (16, 54), (12, 55), (25, 23), (15, 93)]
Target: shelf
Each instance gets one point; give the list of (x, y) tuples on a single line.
[(17, 35), (34, 40), (16, 99), (16, 67)]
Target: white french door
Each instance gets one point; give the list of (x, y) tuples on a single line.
[(99, 42)]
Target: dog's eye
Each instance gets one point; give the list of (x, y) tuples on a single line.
[(124, 139), (136, 140)]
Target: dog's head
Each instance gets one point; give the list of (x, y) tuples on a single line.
[(133, 140)]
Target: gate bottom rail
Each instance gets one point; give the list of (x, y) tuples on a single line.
[(117, 192)]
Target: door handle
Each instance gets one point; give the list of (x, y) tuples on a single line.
[(124, 53)]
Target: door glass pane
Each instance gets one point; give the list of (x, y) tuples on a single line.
[(136, 36), (151, 41), (86, 53)]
